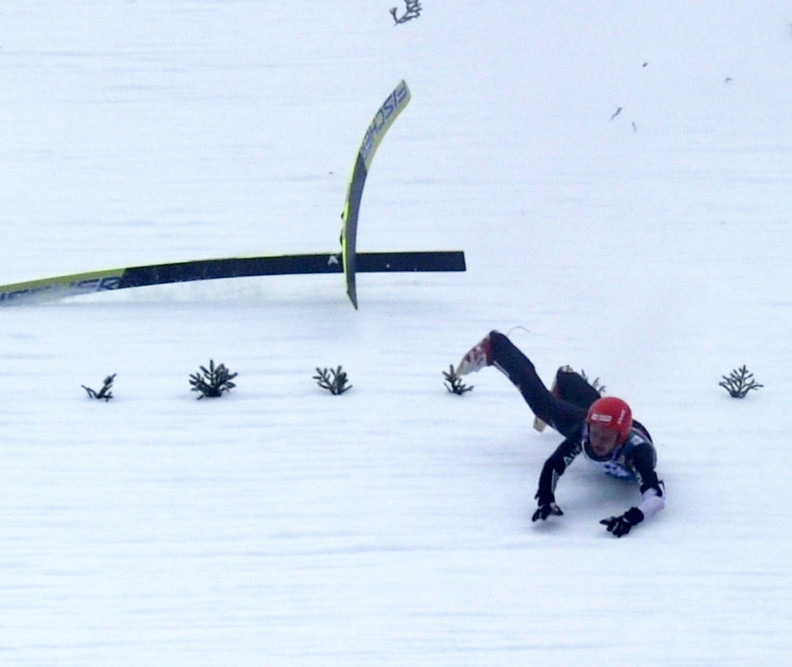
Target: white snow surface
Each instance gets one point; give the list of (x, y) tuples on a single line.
[(281, 525)]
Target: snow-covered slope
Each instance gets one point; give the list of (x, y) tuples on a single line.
[(391, 525)]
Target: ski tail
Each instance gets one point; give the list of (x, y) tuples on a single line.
[(387, 113), (50, 289)]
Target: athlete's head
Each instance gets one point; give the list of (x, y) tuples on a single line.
[(609, 421)]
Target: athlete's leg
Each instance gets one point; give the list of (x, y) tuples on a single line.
[(562, 415)]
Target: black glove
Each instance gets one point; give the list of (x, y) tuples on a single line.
[(620, 525), (545, 510)]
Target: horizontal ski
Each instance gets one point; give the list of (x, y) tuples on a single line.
[(59, 287)]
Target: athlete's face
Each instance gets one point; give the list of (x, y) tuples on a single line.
[(603, 440)]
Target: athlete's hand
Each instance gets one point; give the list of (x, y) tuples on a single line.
[(621, 525), (545, 510)]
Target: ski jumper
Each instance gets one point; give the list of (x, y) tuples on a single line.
[(566, 413)]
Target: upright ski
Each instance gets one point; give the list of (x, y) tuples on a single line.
[(383, 119)]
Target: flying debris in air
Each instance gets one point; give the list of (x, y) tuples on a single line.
[(616, 113), (412, 10)]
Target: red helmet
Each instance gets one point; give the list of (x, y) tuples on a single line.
[(612, 413)]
